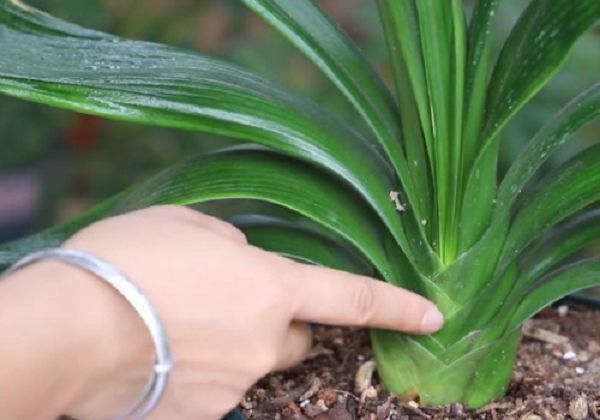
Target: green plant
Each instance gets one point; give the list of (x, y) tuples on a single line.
[(415, 200)]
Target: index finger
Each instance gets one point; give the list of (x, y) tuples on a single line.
[(334, 297)]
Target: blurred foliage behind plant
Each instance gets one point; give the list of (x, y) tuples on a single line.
[(98, 158)]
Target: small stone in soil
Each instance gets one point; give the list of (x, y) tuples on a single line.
[(413, 404), (578, 408), (562, 310)]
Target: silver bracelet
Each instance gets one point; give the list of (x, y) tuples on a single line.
[(104, 271)]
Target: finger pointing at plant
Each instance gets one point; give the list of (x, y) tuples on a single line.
[(337, 298), (232, 313)]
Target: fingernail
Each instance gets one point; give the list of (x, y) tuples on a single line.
[(432, 321)]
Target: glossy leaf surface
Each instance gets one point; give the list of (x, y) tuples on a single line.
[(64, 65), (534, 51), (415, 200), (301, 244)]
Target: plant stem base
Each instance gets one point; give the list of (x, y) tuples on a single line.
[(439, 376)]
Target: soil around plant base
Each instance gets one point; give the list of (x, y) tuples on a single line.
[(557, 376)]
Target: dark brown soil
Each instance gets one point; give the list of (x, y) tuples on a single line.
[(557, 376)]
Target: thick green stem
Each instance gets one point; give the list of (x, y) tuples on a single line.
[(468, 372)]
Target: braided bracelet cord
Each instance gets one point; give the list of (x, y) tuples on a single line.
[(132, 294)]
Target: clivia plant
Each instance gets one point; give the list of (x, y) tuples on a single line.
[(412, 196)]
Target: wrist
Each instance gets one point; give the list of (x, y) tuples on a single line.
[(82, 335), (123, 355)]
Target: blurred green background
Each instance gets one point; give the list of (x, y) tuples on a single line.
[(79, 160)]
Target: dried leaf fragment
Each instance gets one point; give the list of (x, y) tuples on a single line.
[(542, 334), (395, 197), (364, 375), (312, 390)]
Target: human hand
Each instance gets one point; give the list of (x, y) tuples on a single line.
[(232, 312)]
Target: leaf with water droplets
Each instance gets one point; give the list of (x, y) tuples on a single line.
[(555, 285), (305, 25), (566, 190), (579, 112), (535, 50), (155, 84), (537, 47)]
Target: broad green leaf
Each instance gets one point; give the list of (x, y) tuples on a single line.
[(411, 96), (556, 285), (474, 270), (270, 177), (502, 296), (304, 24), (458, 65), (559, 244), (566, 190), (401, 24), (478, 72), (429, 51), (492, 377), (478, 202), (473, 218), (428, 62), (469, 283), (476, 316), (436, 47), (294, 241), (580, 111), (534, 51), (560, 194), (552, 250), (457, 87), (87, 71), (67, 66)]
